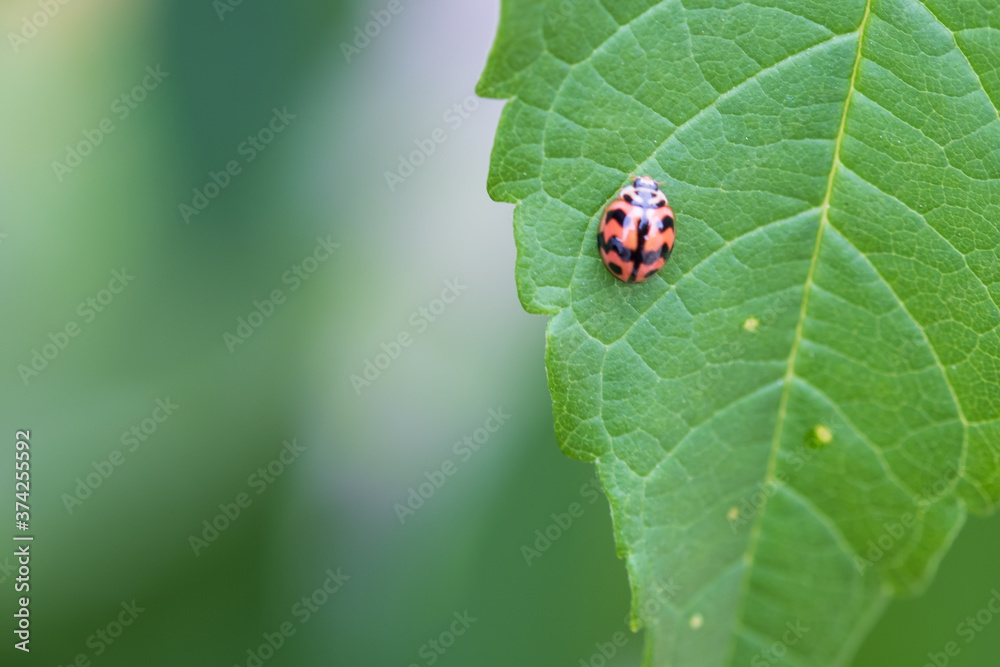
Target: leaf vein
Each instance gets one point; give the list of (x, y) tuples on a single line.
[(756, 529)]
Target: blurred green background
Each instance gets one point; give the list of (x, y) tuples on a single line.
[(223, 70)]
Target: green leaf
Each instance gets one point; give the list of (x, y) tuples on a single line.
[(792, 420)]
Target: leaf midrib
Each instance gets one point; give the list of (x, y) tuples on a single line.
[(755, 530)]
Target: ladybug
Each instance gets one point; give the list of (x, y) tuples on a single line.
[(636, 235)]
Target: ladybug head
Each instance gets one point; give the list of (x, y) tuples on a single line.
[(646, 183)]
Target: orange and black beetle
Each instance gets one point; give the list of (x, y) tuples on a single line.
[(636, 235)]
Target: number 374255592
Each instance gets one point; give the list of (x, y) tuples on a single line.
[(22, 477)]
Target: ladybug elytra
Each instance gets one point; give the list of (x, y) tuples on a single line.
[(636, 235)]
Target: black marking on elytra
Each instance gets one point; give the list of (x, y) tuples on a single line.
[(615, 268), (651, 256), (666, 222), (617, 215), (643, 232), (628, 199), (614, 245)]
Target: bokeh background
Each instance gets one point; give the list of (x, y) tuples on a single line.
[(227, 67)]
